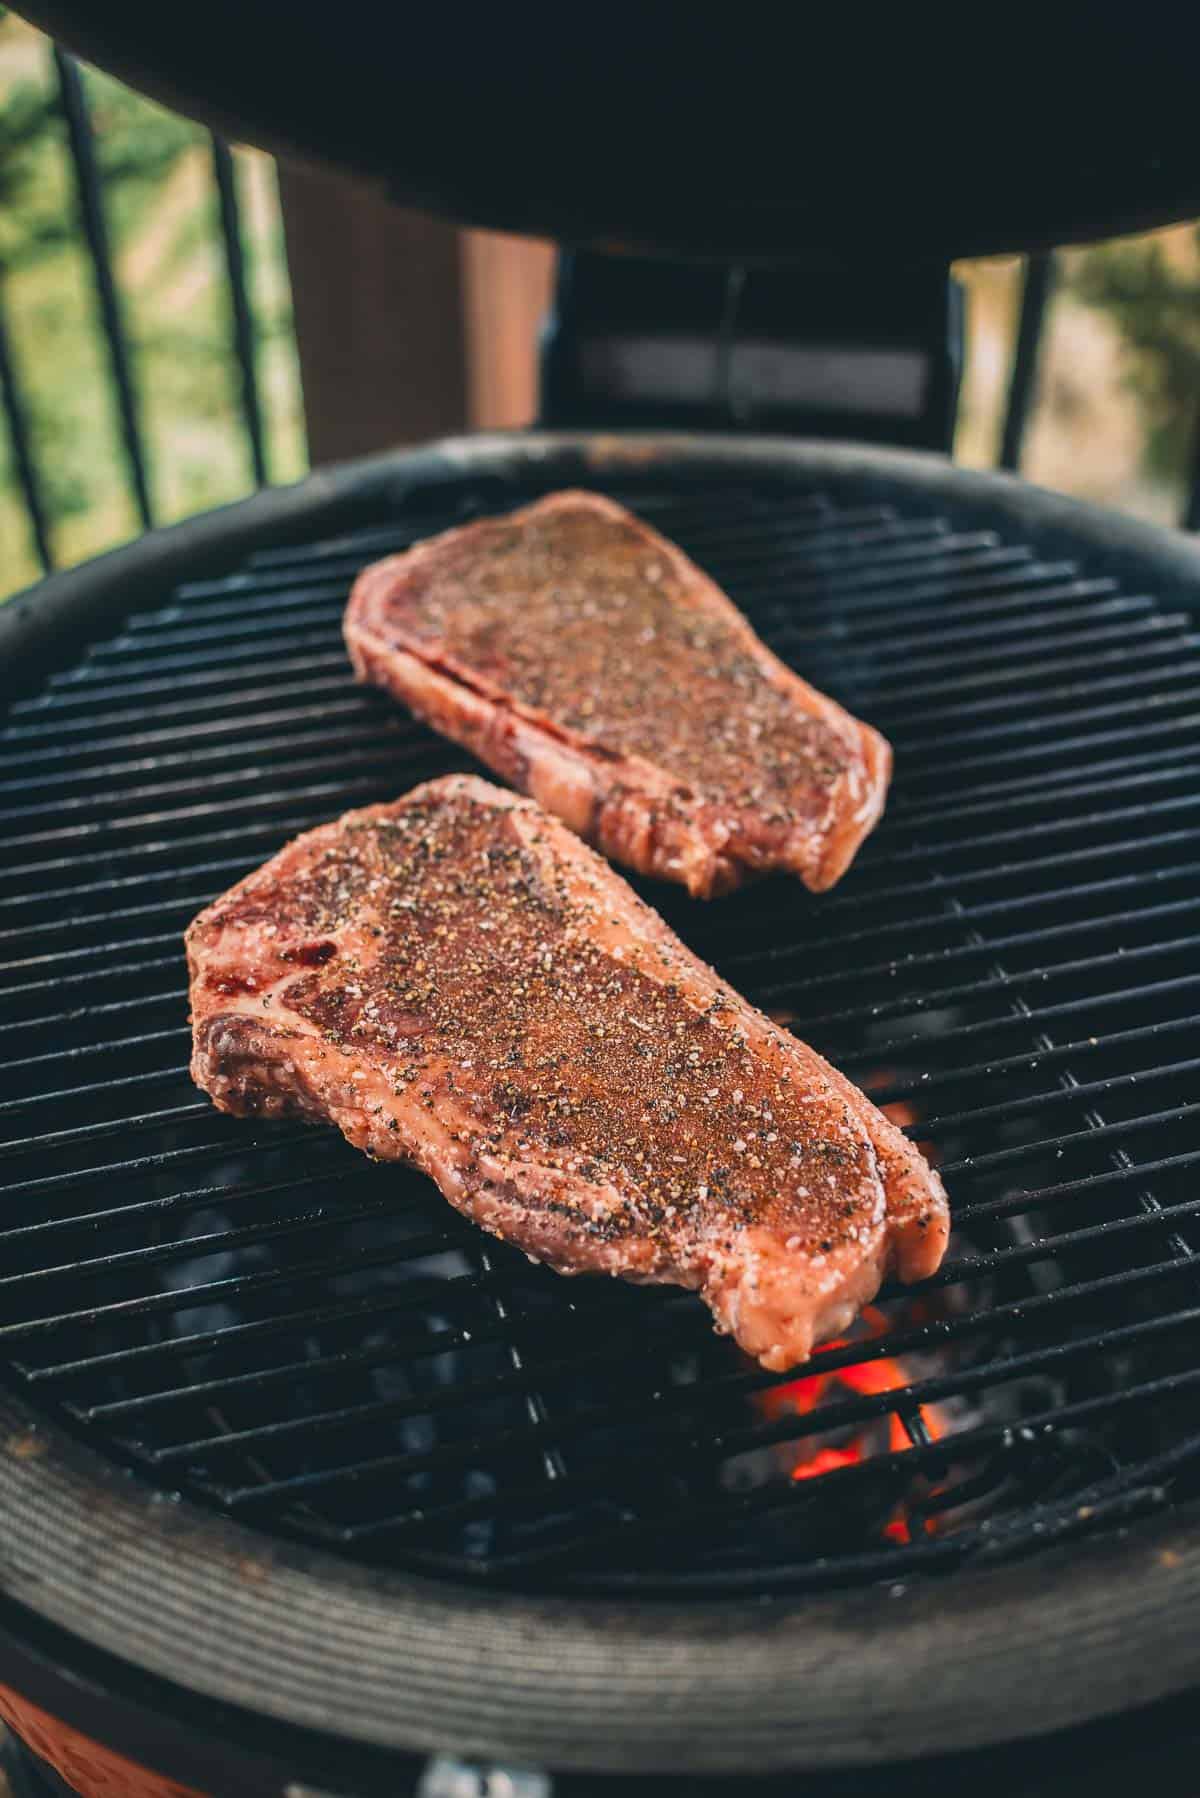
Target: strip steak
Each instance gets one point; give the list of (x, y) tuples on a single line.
[(456, 981), (590, 663)]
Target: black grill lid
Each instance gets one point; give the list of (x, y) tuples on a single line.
[(318, 1349), (718, 135)]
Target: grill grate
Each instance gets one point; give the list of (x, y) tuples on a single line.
[(260, 1318)]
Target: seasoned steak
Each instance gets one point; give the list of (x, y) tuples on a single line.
[(586, 660), (456, 981)]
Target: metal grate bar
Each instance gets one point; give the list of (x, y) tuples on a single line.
[(176, 1204), (992, 635), (197, 669), (198, 654), (917, 744), (298, 651), (1069, 696), (723, 512), (342, 562), (125, 971), (209, 1243), (1155, 991), (935, 749), (997, 1158), (841, 1482), (90, 740), (236, 1337), (1023, 1104), (315, 603), (998, 984), (882, 1095), (161, 1161), (125, 946), (847, 900), (179, 1037), (58, 977), (157, 1304), (904, 1342), (953, 1272), (920, 553), (268, 750), (937, 958), (1133, 773), (844, 1414), (798, 987), (616, 1348), (975, 673), (1044, 782), (1145, 730), (342, 793), (81, 701), (1027, 1061), (1036, 897), (647, 1421), (96, 773), (385, 753), (133, 1126), (992, 581), (196, 710), (1069, 1191)]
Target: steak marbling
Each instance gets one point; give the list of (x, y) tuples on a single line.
[(588, 661), (456, 981)]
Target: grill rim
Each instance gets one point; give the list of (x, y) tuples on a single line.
[(822, 1681), (271, 1629), (40, 627)]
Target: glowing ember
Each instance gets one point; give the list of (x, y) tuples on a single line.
[(903, 1114), (886, 1434)]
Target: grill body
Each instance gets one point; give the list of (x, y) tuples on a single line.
[(285, 1442)]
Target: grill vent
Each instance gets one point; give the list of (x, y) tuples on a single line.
[(260, 1318)]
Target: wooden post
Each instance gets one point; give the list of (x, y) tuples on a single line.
[(507, 284), (406, 327)]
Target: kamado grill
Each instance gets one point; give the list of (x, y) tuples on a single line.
[(307, 1486)]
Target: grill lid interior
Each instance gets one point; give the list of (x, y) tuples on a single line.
[(256, 1316)]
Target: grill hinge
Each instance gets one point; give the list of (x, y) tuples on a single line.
[(831, 354)]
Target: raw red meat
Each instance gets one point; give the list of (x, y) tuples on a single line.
[(456, 981), (589, 662)]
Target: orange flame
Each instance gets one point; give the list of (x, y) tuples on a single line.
[(871, 1378)]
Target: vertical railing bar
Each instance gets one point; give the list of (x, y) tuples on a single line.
[(22, 453), (1191, 516), (91, 206), (243, 318), (1039, 279)]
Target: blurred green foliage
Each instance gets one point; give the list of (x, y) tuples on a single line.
[(161, 208), (1153, 299), (162, 213)]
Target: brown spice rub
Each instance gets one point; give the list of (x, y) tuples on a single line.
[(587, 660), (456, 981)]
